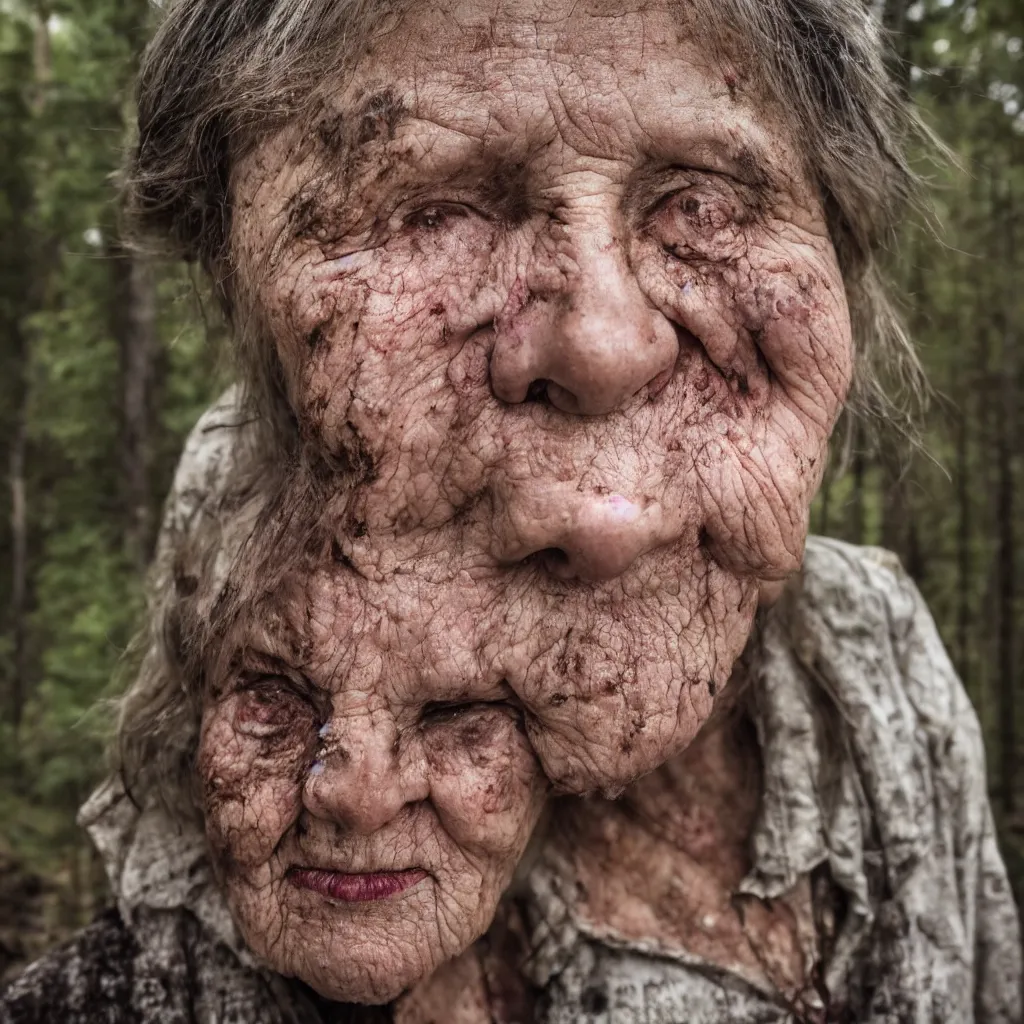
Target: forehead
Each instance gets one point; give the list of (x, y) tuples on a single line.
[(346, 635), (561, 81)]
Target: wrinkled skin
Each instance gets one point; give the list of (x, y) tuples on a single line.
[(338, 738), (551, 284)]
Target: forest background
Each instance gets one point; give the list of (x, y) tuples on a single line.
[(107, 358)]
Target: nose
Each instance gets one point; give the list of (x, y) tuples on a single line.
[(360, 779), (579, 536), (590, 342)]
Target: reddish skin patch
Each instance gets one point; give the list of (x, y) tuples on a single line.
[(662, 865)]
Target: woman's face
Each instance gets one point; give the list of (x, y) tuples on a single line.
[(548, 280), (367, 794)]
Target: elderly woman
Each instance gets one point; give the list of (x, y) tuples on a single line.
[(545, 314)]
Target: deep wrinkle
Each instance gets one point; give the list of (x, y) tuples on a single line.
[(428, 161)]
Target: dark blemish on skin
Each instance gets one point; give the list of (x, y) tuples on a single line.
[(507, 190), (732, 84), (355, 459), (380, 116), (751, 171), (330, 132), (463, 509), (315, 338), (558, 699), (712, 689), (360, 529), (562, 665), (304, 216)]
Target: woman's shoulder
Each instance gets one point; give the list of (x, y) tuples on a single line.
[(858, 619), (164, 967), (88, 980), (871, 742), (211, 449)]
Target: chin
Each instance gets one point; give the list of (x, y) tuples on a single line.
[(363, 981), (346, 963)]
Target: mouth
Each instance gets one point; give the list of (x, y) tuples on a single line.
[(355, 888)]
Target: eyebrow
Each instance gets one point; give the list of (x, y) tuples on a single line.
[(494, 171), (375, 118)]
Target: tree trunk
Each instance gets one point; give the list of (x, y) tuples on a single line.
[(1006, 547), (859, 470), (137, 336), (826, 501), (893, 15), (41, 79), (963, 548), (19, 568)]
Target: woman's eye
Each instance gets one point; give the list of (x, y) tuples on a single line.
[(435, 216), (700, 222), (442, 714), (271, 709)]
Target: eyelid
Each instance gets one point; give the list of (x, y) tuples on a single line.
[(457, 204), (439, 712), (700, 184), (263, 671), (674, 181)]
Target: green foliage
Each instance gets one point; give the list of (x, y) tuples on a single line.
[(954, 511), (65, 113)]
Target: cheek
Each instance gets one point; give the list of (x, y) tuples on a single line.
[(772, 461), (358, 334), (486, 786), (764, 382), (251, 789)]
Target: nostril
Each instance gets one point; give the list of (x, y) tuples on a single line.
[(553, 560), (554, 556), (537, 391)]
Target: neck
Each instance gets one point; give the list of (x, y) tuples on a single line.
[(705, 801)]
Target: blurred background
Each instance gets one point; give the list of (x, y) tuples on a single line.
[(107, 358)]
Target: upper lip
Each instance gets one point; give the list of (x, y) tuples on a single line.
[(355, 869)]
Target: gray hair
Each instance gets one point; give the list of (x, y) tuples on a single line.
[(260, 521)]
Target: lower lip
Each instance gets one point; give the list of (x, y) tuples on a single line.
[(336, 885)]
